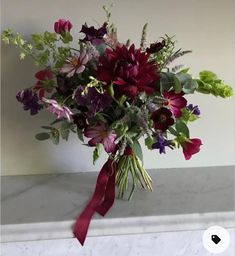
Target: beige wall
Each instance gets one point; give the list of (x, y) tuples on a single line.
[(206, 26)]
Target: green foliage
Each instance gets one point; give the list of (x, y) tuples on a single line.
[(9, 37), (65, 129), (209, 83), (181, 81), (144, 37), (42, 136), (97, 151), (164, 57), (188, 116), (149, 142), (80, 135), (181, 127), (137, 149)]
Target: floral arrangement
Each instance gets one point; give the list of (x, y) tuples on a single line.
[(113, 93)]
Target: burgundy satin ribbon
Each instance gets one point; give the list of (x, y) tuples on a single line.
[(101, 201)]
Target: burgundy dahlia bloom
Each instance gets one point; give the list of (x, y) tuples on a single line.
[(93, 35), (62, 26), (129, 70), (176, 102), (191, 147), (101, 134), (162, 119)]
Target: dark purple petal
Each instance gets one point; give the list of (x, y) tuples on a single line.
[(30, 101)]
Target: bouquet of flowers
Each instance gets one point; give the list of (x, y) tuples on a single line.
[(113, 93)]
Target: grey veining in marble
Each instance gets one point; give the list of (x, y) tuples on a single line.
[(182, 199), (184, 243)]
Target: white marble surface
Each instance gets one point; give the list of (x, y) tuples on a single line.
[(45, 206), (184, 243)]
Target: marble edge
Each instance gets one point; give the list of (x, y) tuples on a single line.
[(117, 226)]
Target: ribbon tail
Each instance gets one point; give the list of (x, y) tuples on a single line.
[(109, 197), (83, 222)]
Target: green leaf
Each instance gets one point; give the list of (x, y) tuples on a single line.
[(55, 136), (183, 77), (80, 135), (190, 86), (56, 121), (137, 149), (173, 131), (122, 100), (181, 127), (177, 85), (97, 151), (47, 127), (42, 136), (149, 142), (65, 130)]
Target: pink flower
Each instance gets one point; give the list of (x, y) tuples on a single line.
[(101, 134), (191, 147), (76, 64), (175, 102), (55, 108), (62, 26)]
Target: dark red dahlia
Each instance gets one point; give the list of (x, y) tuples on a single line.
[(129, 70), (162, 119)]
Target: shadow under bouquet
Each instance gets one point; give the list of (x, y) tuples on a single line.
[(113, 93)]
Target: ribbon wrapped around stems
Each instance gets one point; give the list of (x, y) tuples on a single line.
[(101, 201)]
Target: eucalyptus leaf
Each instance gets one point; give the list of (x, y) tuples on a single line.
[(177, 85), (80, 135), (42, 136), (190, 86), (55, 136)]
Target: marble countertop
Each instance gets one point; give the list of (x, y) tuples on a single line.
[(40, 207)]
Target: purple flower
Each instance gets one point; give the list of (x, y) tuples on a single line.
[(161, 144), (62, 26), (93, 35), (93, 100), (55, 108), (156, 47), (30, 101), (75, 65), (194, 109), (101, 134)]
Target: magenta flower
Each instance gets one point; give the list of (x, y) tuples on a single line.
[(191, 147), (175, 102), (55, 108), (76, 64), (62, 26), (101, 134)]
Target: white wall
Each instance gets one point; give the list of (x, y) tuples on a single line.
[(206, 26)]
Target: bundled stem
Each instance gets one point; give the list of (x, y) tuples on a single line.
[(131, 166)]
